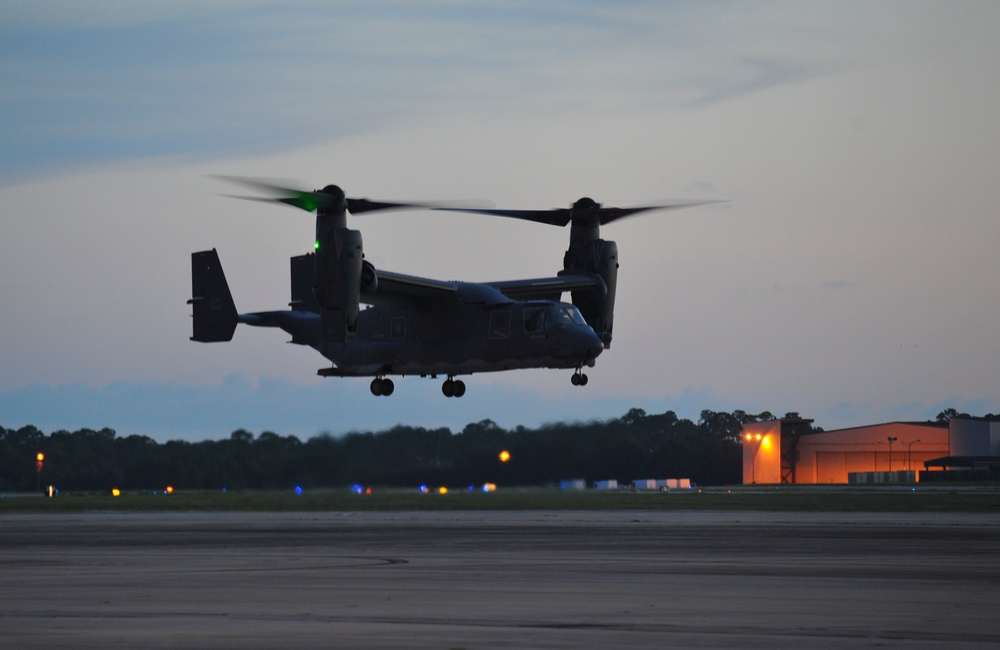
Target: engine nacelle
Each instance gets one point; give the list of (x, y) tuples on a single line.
[(597, 306), (339, 264)]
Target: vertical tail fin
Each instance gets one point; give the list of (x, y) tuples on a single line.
[(215, 315)]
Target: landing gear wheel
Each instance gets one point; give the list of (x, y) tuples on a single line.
[(579, 379), (381, 386), (453, 388)]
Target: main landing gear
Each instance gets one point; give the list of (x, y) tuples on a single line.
[(578, 378), (453, 387), (382, 386)]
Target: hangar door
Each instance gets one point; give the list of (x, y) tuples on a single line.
[(831, 467), (834, 466)]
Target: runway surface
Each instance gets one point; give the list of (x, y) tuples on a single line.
[(500, 580)]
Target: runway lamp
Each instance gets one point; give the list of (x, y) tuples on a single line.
[(504, 456), (38, 469)]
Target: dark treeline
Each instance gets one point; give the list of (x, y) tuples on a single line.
[(636, 445)]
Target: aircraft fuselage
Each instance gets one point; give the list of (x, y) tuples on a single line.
[(461, 339)]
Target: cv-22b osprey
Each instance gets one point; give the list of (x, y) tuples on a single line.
[(425, 327)]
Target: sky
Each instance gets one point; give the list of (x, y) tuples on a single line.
[(850, 274)]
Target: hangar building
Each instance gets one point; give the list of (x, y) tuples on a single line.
[(788, 451), (973, 454)]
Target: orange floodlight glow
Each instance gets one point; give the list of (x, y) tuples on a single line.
[(170, 489), (504, 456), (40, 457), (758, 437), (749, 437)]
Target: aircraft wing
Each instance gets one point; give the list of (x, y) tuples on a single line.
[(400, 290), (399, 284), (397, 289), (547, 288), (394, 289)]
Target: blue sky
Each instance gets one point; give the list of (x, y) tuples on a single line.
[(850, 277)]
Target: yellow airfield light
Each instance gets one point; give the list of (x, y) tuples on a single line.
[(504, 456), (115, 492)]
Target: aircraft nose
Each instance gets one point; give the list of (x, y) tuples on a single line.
[(592, 343)]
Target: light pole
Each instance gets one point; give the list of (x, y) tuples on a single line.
[(891, 440), (909, 448)]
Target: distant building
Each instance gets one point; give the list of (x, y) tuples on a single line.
[(973, 454), (674, 483), (788, 451)]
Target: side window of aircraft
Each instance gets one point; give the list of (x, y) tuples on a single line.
[(534, 319), (500, 324)]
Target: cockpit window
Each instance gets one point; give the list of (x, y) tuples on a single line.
[(558, 315), (551, 316)]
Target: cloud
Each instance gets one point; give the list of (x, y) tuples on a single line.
[(108, 82), (753, 75), (840, 284)]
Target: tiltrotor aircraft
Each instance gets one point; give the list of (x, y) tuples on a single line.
[(419, 326)]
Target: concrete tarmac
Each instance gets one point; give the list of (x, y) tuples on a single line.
[(565, 579)]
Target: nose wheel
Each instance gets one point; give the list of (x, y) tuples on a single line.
[(578, 378), (382, 386), (453, 387)]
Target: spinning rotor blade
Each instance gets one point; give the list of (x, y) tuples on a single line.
[(584, 212), (330, 197)]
